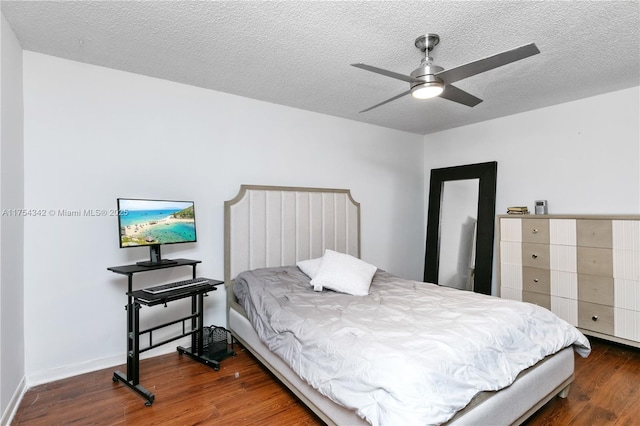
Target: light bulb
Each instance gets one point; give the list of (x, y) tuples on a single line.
[(427, 90)]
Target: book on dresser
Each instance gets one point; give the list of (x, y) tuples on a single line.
[(517, 210), (584, 268)]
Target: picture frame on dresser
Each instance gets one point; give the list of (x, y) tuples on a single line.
[(584, 268)]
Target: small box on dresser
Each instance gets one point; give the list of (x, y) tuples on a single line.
[(584, 268)]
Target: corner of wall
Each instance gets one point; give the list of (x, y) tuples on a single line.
[(12, 407), (12, 345)]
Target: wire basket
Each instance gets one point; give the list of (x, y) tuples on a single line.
[(215, 342)]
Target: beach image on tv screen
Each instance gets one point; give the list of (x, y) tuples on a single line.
[(147, 222)]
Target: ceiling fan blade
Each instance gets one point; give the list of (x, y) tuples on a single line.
[(387, 101), (387, 73), (472, 68), (454, 94)]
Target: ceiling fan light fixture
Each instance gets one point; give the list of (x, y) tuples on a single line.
[(427, 90)]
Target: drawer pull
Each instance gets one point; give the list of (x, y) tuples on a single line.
[(535, 256), (594, 318), (534, 231), (535, 280)]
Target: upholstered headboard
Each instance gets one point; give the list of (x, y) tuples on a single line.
[(277, 226)]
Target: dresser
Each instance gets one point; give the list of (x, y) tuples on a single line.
[(585, 269)]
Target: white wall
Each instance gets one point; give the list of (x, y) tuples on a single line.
[(93, 134), (12, 367), (582, 156)]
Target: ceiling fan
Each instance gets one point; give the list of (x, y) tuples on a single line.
[(429, 80)]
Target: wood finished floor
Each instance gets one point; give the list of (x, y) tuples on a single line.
[(606, 391)]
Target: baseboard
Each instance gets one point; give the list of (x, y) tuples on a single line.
[(14, 403), (59, 373), (66, 371)]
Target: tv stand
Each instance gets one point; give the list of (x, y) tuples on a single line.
[(155, 258), (139, 297)]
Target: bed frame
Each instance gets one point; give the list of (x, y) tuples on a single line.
[(269, 226)]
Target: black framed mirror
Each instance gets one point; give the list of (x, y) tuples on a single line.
[(483, 177)]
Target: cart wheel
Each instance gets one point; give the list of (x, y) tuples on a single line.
[(150, 400), (216, 367), (114, 378)]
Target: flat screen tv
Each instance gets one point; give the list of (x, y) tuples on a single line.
[(154, 223)]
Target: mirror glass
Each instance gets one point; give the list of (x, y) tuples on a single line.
[(458, 218)]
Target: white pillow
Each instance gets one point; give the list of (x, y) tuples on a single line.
[(344, 273), (310, 267)]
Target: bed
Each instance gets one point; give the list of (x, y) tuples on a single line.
[(271, 229)]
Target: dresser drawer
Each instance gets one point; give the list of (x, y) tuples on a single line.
[(626, 324), (594, 233), (595, 317), (536, 280), (535, 255), (535, 231), (539, 299), (595, 289), (595, 261)]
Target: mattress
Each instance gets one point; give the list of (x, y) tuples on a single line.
[(533, 387), (393, 389)]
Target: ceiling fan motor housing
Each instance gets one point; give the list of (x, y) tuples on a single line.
[(426, 74)]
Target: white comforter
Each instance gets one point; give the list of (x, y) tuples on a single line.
[(410, 352)]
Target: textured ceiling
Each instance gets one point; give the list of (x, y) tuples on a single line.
[(297, 53)]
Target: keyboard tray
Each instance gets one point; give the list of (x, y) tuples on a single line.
[(177, 285), (149, 299)]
